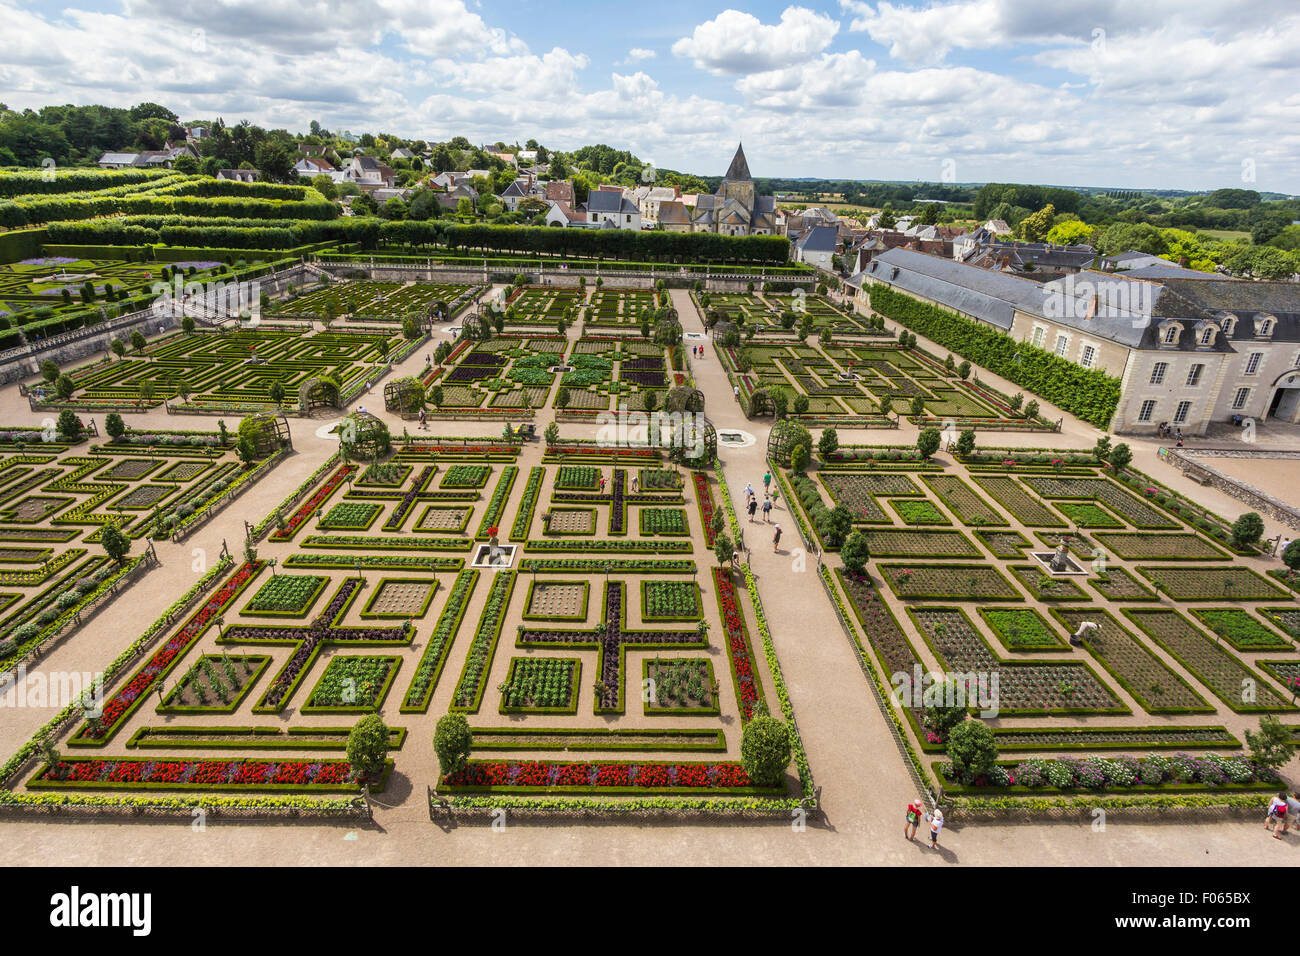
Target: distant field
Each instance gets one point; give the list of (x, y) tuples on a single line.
[(1233, 235)]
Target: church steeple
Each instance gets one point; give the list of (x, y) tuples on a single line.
[(738, 171)]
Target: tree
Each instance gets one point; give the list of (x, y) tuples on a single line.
[(1031, 410), (855, 552), (245, 450), (435, 396), (1270, 747), (562, 397), (918, 406), (834, 524), (137, 340), (651, 400), (1120, 457), (927, 442), (118, 347), (1247, 530), (765, 750), (65, 386), (49, 371), (799, 457), (1101, 450), (552, 434), (147, 390), (972, 748), (966, 442), (780, 402), (949, 710), (963, 369), (276, 393), (828, 444), (452, 742), (367, 748), (114, 426), (800, 404), (116, 545), (69, 424), (723, 548), (1291, 555), (886, 404), (1017, 400), (187, 324), (1034, 227)]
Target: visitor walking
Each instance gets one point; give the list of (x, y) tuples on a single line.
[(1293, 811), (1276, 815), (749, 492), (423, 420), (767, 509), (767, 480), (602, 484), (634, 485), (936, 824), (915, 810), (753, 506), (776, 541)]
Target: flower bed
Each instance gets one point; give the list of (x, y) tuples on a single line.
[(664, 521), (1022, 629), (434, 657), (353, 685), (966, 582), (350, 516), (704, 499), (299, 517), (541, 685), (1157, 772), (1211, 584), (749, 689), (670, 601), (1241, 630), (478, 662), (623, 777), (287, 595), (181, 773)]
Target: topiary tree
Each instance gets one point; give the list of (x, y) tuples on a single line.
[(723, 548), (116, 545), (276, 393), (948, 707), (64, 387), (1291, 555), (552, 434), (367, 748), (1247, 530), (780, 402), (801, 404), (49, 371), (187, 324), (765, 750), (963, 370), (886, 404), (829, 443), (69, 424), (855, 552), (114, 426), (1031, 410), (972, 748), (452, 742), (799, 457), (435, 396), (1101, 450), (927, 442), (137, 340), (1270, 746), (834, 525), (562, 397), (1017, 400), (966, 442), (918, 406), (118, 347), (1121, 456)]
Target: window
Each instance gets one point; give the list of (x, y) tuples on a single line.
[(1239, 400), (1061, 342), (1180, 414), (1208, 335), (1088, 357), (1039, 334), (1229, 324), (1171, 335), (1148, 409), (1252, 363), (1158, 373), (1266, 327), (1194, 375)]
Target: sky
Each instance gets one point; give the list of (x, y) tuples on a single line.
[(1179, 94)]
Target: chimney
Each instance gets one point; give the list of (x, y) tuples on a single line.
[(1092, 307)]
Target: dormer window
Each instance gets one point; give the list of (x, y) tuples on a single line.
[(1229, 325), (1169, 333), (1264, 323), (1207, 335)]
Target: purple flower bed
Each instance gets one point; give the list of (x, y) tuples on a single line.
[(484, 358), (52, 261), (195, 263), (469, 373), (646, 379)]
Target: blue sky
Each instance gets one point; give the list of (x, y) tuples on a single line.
[(1162, 93)]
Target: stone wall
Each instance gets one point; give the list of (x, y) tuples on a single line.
[(1258, 500)]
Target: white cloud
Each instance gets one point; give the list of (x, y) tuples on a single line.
[(739, 43), (639, 53)]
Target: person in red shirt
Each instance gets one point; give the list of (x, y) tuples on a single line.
[(915, 810)]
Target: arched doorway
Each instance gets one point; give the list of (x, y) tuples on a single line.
[(1285, 403)]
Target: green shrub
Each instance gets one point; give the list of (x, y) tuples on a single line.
[(452, 742), (765, 750)]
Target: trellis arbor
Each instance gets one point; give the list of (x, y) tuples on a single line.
[(319, 392), (268, 433), (405, 396), (364, 437), (781, 440)]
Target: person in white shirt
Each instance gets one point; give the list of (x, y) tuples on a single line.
[(936, 824)]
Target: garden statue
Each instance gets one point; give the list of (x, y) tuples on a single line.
[(1059, 560)]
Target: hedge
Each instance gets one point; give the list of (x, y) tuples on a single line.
[(1090, 394)]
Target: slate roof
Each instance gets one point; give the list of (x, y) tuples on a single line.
[(738, 171), (819, 239), (606, 201)]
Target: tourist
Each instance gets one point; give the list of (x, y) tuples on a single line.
[(767, 509), (736, 389), (767, 480), (915, 810), (423, 420), (936, 824), (1293, 811), (776, 541), (752, 507), (749, 491), (634, 485), (602, 484), (1276, 815)]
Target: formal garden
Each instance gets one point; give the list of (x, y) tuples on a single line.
[(992, 618), (624, 663)]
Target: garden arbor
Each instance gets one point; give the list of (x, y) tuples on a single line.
[(405, 396), (683, 398), (364, 437), (267, 433), (783, 438), (319, 392)]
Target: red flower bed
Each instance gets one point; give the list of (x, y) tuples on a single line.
[(613, 775), (650, 776), (692, 775), (730, 775), (653, 775), (534, 774), (116, 708), (292, 772), (738, 646), (573, 775), (197, 774), (167, 772), (704, 497), (334, 772), (315, 501), (128, 771)]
